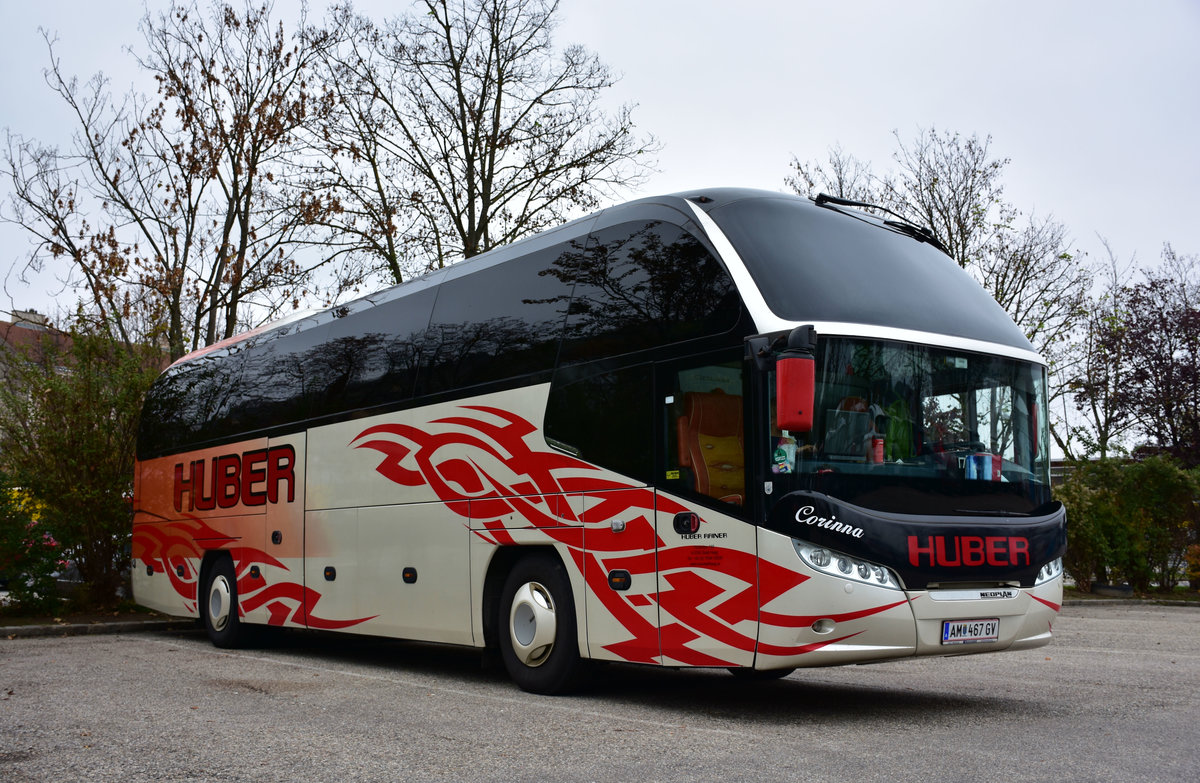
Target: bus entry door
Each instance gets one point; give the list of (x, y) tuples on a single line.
[(707, 585)]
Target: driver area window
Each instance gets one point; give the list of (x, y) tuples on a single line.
[(705, 449)]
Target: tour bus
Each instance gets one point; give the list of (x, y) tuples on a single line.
[(728, 428)]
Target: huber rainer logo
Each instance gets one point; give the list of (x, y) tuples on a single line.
[(252, 478)]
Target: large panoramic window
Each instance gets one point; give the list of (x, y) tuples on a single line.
[(917, 429)]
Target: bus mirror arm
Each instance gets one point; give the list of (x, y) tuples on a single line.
[(795, 381)]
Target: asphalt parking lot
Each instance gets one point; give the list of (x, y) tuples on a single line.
[(1115, 697)]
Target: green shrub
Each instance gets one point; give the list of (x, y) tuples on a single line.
[(1129, 522), (1088, 550), (68, 428), (29, 554)]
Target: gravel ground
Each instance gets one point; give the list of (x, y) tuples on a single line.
[(1115, 697)]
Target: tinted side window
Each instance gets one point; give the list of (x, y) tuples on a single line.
[(372, 358), (323, 366), (641, 285), (208, 398), (606, 419), (495, 323)]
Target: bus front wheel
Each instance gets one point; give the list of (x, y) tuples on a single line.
[(538, 639), (218, 604)]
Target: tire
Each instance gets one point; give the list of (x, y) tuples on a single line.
[(218, 606), (537, 625), (760, 675)]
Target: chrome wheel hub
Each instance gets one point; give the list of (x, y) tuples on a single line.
[(219, 603), (533, 624)]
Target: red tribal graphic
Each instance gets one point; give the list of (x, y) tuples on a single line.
[(483, 467), (174, 548)]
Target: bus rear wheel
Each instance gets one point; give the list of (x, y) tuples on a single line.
[(538, 639), (218, 605)]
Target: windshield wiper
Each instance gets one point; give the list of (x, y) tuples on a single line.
[(995, 512), (919, 233)]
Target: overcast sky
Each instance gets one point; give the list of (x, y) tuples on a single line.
[(1095, 103)]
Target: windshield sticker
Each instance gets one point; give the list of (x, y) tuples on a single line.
[(783, 461)]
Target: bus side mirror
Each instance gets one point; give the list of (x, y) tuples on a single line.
[(795, 381)]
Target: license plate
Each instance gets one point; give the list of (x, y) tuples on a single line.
[(970, 631)]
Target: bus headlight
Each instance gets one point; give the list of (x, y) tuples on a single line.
[(1051, 570), (828, 561)]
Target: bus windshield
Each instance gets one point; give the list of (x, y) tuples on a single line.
[(913, 429)]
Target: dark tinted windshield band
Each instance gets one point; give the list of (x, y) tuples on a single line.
[(815, 264)]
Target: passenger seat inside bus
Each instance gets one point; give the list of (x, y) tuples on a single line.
[(711, 444)]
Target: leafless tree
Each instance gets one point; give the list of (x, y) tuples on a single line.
[(841, 175), (179, 208), (1095, 378), (374, 224), (1162, 341), (473, 127), (952, 185)]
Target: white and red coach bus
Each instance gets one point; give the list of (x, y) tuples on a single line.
[(728, 428)]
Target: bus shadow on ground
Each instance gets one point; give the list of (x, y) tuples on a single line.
[(714, 693), (798, 697)]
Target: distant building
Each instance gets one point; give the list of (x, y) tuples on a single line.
[(28, 330)]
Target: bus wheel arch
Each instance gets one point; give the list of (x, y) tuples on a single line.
[(535, 623)]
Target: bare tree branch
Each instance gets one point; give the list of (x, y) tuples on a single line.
[(490, 133)]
